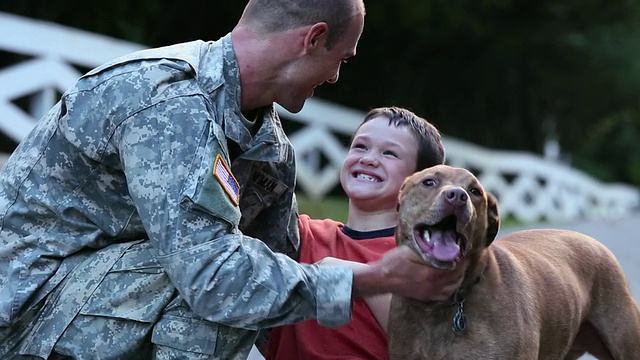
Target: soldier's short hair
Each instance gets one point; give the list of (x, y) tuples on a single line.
[(281, 15)]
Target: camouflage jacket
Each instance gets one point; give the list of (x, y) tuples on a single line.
[(152, 146)]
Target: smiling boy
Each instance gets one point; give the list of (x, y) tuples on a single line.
[(389, 145)]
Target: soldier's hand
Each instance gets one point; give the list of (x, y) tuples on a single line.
[(403, 272)]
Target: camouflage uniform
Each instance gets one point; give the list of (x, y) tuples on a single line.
[(124, 233)]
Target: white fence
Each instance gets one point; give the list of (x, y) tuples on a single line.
[(529, 188)]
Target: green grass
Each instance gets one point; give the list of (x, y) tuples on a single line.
[(509, 221), (330, 207)]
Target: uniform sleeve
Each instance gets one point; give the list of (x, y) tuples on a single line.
[(168, 153)]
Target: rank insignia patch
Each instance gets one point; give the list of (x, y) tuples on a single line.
[(224, 176)]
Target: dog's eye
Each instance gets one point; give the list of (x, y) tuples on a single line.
[(429, 182), (475, 191)]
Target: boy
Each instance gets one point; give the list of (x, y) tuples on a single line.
[(389, 145)]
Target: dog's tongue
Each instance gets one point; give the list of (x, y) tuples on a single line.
[(444, 245)]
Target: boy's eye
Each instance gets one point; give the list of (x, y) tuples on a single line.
[(388, 152), (358, 146)]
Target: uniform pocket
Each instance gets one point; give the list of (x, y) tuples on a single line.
[(135, 288), (185, 334)]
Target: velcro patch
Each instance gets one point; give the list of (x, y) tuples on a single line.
[(224, 176)]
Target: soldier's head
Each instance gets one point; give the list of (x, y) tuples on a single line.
[(310, 40)]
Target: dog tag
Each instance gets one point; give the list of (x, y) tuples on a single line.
[(459, 319)]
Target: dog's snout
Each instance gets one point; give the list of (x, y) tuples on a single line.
[(456, 196)]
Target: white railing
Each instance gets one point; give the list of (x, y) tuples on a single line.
[(529, 188)]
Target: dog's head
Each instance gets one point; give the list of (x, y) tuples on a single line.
[(445, 215)]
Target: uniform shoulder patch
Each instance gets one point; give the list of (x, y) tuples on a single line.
[(223, 174)]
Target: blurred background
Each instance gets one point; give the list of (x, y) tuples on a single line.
[(558, 78), (504, 74)]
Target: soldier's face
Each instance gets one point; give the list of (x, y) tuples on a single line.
[(321, 66)]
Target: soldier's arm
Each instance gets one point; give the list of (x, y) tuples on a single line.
[(168, 155)]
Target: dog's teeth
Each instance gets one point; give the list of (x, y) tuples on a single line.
[(427, 236)]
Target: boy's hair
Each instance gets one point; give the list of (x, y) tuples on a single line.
[(430, 147), (281, 15)]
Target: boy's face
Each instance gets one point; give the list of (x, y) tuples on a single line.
[(381, 156)]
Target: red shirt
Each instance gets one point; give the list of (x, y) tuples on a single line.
[(362, 338)]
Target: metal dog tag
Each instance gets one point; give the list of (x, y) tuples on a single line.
[(459, 319)]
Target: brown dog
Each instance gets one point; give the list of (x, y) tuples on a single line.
[(536, 294)]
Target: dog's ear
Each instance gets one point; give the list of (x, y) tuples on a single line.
[(493, 218), (400, 193)]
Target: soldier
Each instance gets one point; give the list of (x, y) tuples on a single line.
[(129, 216)]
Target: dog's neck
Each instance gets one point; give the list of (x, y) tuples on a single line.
[(472, 276), (463, 291)]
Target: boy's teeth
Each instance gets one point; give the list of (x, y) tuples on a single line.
[(366, 177)]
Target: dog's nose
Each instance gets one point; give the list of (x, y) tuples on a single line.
[(456, 196)]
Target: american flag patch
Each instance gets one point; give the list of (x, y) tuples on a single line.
[(229, 183)]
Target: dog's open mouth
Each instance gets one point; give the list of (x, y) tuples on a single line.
[(438, 244)]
